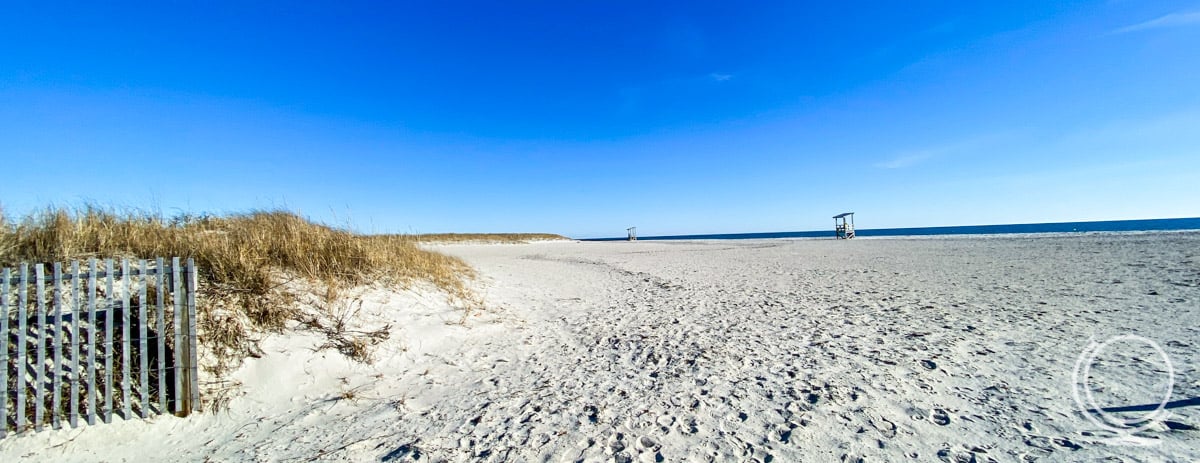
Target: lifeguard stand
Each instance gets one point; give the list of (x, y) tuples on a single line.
[(632, 233), (843, 225)]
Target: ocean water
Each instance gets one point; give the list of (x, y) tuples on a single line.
[(1059, 227)]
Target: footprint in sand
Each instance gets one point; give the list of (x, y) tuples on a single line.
[(688, 427), (1066, 443), (616, 444), (974, 455), (939, 417), (785, 436), (929, 364), (885, 427), (1041, 444)]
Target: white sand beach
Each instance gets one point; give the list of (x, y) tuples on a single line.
[(935, 349)]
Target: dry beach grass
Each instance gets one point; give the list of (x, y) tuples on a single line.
[(245, 260)]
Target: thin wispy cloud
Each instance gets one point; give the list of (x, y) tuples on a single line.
[(908, 159), (914, 157), (1181, 18), (719, 77)]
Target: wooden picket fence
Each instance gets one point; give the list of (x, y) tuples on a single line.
[(108, 340)]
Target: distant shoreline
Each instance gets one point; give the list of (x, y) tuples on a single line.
[(1178, 224)]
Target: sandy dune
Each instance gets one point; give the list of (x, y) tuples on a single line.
[(951, 349)]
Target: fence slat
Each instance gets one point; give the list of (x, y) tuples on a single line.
[(76, 312), (91, 344), (110, 303), (19, 371), (143, 387), (126, 370), (177, 285), (22, 311), (161, 337), (39, 387), (193, 367), (5, 278), (56, 379)]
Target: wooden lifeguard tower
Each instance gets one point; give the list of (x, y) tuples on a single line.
[(843, 225), (632, 233)]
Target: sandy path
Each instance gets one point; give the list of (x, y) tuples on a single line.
[(950, 349)]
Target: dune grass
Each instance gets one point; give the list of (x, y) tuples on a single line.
[(244, 261)]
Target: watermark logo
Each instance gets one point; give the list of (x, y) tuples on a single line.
[(1124, 428)]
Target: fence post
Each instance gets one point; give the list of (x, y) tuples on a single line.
[(193, 367), (4, 312), (180, 341)]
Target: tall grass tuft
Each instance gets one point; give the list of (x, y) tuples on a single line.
[(244, 260)]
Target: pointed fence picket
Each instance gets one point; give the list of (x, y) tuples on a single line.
[(107, 344), (75, 378), (4, 285), (39, 386), (144, 377), (99, 340), (19, 370), (90, 366), (57, 343)]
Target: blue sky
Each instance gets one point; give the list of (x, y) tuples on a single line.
[(584, 118)]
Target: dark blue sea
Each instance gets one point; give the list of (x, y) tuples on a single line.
[(1060, 227)]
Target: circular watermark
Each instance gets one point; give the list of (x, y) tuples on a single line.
[(1081, 378)]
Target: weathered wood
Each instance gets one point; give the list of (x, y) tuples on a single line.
[(91, 343), (126, 368), (144, 377), (100, 274), (77, 312), (109, 304), (39, 386), (56, 379), (116, 273), (22, 316), (176, 294), (161, 338), (5, 279), (65, 361), (193, 285)]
